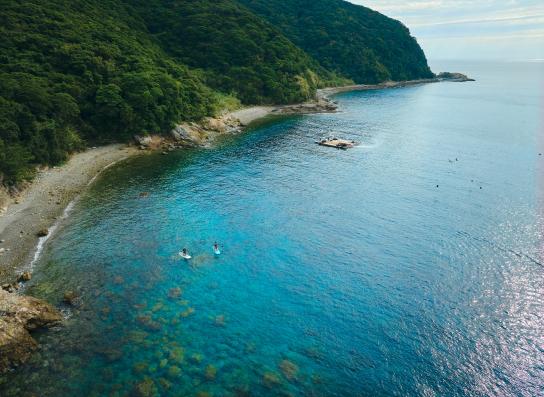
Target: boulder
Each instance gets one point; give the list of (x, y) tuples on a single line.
[(180, 133), (42, 233), (18, 316), (213, 124), (10, 287), (143, 141), (70, 298), (26, 276)]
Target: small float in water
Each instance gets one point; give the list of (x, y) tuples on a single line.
[(336, 143)]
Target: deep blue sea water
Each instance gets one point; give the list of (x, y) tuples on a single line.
[(411, 265)]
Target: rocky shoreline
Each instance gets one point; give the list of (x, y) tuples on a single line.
[(325, 93), (19, 315), (204, 133)]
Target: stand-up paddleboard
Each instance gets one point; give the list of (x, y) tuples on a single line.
[(185, 256), (217, 252)]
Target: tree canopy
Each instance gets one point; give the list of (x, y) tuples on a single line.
[(75, 72)]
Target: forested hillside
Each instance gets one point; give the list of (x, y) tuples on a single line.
[(75, 72), (352, 40), (239, 52)]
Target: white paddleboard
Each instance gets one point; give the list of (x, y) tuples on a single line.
[(217, 252), (187, 256)]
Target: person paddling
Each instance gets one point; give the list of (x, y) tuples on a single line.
[(185, 254), (216, 249)]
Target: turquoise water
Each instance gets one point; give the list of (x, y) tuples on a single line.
[(409, 265)]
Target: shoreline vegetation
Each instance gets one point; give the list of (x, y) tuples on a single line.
[(29, 217)]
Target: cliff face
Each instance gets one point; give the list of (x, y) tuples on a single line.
[(19, 315), (352, 40)]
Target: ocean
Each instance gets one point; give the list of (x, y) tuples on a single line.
[(410, 265)]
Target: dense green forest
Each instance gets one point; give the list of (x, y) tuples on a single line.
[(352, 40), (239, 52), (75, 72)]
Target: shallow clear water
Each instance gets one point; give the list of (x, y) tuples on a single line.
[(410, 265)]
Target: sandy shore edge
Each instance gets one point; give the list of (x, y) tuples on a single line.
[(39, 206)]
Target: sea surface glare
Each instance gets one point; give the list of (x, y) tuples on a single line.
[(411, 265)]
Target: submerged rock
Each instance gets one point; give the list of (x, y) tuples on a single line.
[(313, 352), (140, 367), (118, 280), (220, 320), (165, 384), (289, 369), (148, 323), (197, 358), (210, 372), (111, 355), (18, 316), (188, 312), (174, 293), (146, 388), (137, 337), (271, 379), (70, 298), (174, 371), (177, 354)]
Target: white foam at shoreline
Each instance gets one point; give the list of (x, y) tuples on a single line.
[(43, 240)]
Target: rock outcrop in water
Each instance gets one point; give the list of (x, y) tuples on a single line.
[(454, 76), (19, 315)]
